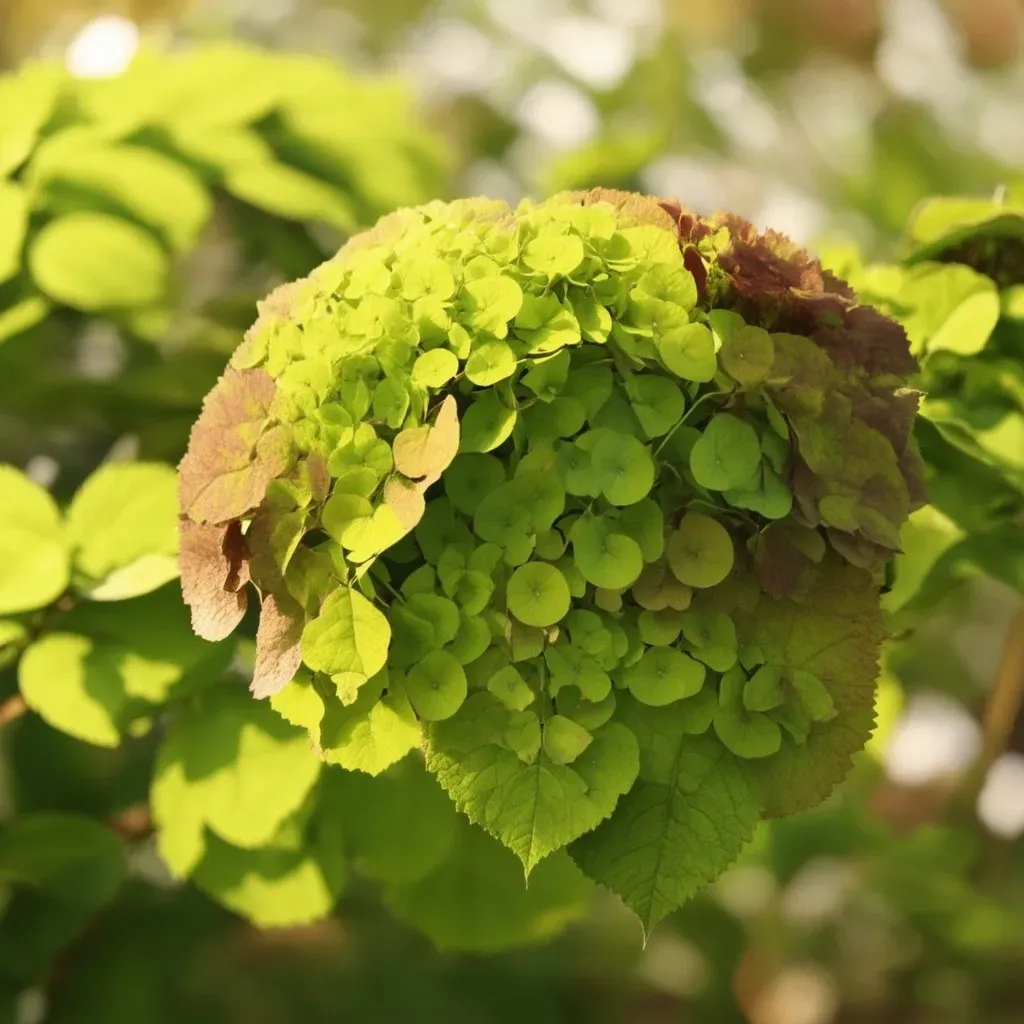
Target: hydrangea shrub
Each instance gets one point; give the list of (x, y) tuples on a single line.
[(589, 500)]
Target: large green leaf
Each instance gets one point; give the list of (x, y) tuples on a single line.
[(14, 209), (123, 530), (231, 765), (687, 818), (34, 567), (476, 898), (287, 192), (94, 261), (143, 184), (105, 666), (73, 858), (26, 103), (533, 808)]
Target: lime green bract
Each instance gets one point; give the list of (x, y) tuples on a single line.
[(588, 499)]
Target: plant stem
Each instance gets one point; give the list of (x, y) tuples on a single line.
[(1004, 702), (12, 708), (1002, 708)]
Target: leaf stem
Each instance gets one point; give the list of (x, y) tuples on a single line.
[(12, 709), (686, 415), (1004, 702)]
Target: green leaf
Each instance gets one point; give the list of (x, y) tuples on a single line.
[(158, 192), (834, 632), (349, 635), (594, 319), (812, 695), (771, 498), (490, 362), (523, 736), (726, 454), (122, 526), (657, 401), (372, 733), (510, 688), (564, 740), (763, 691), (537, 594), (688, 350), (546, 324), (290, 193), (470, 478), (487, 304), (487, 423), (713, 638), (644, 522), (26, 103), (622, 466), (399, 826), (436, 686), (231, 765), (607, 559), (746, 352), (687, 818), (93, 262), (72, 858), (34, 568), (274, 888), (435, 368), (476, 899), (14, 211), (747, 735), (22, 316), (951, 307), (700, 551), (664, 675), (554, 255), (534, 809), (110, 664), (667, 282)]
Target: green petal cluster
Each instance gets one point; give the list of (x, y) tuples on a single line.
[(587, 499)]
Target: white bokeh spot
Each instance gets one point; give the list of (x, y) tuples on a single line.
[(103, 47)]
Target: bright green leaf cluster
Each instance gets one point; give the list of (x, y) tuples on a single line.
[(587, 499), (105, 184)]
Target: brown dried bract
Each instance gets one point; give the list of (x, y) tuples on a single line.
[(278, 645), (234, 452), (214, 571), (633, 209)]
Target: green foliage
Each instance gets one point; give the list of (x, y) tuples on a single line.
[(120, 198), (583, 499), (957, 292)]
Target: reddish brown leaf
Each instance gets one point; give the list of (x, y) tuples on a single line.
[(234, 452), (214, 570), (278, 650), (783, 562)]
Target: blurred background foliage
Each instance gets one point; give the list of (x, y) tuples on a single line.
[(902, 899)]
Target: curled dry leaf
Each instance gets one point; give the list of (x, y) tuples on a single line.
[(214, 571), (278, 651)]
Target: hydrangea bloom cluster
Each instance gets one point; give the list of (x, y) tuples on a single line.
[(587, 499)]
